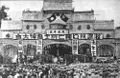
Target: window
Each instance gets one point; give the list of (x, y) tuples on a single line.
[(88, 27), (79, 27), (8, 35), (54, 31), (58, 31), (35, 26), (42, 26), (50, 31), (27, 27), (71, 27), (108, 36)]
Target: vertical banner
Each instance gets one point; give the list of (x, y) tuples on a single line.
[(20, 47), (39, 46), (75, 46), (93, 47)]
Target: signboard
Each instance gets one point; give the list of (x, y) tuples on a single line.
[(39, 46), (36, 36), (93, 47), (75, 46), (27, 36), (87, 36), (56, 36), (57, 31)]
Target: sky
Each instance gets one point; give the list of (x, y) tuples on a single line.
[(104, 9)]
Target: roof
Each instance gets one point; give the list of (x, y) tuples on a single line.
[(83, 15), (57, 6), (59, 1), (104, 25), (11, 25), (58, 21), (32, 15)]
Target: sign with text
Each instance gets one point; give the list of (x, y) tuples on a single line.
[(57, 31), (56, 36), (87, 36), (27, 36)]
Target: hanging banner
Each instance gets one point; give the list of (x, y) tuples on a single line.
[(20, 47), (93, 47), (25, 36), (87, 36), (75, 46), (39, 46)]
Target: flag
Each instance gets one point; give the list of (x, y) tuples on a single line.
[(64, 18), (52, 18)]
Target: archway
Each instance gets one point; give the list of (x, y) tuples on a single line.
[(10, 53), (84, 51), (57, 49), (105, 51), (30, 50)]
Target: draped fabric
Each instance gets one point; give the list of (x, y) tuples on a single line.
[(30, 50), (57, 49), (84, 51), (10, 53), (105, 51)]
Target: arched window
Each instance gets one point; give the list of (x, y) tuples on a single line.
[(8, 35), (105, 51), (42, 26), (108, 36), (88, 27), (35, 26), (71, 27), (79, 27), (27, 27)]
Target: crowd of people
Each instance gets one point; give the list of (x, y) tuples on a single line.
[(78, 70), (58, 68)]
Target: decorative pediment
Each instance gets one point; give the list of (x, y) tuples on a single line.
[(57, 18)]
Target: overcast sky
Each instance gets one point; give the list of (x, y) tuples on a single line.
[(104, 9)]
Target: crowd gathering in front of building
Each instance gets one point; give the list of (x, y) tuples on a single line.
[(59, 42)]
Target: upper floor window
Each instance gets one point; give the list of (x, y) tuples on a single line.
[(42, 26), (8, 35), (71, 27), (108, 36), (35, 26), (79, 27), (27, 27), (88, 27)]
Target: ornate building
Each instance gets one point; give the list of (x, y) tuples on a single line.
[(58, 30)]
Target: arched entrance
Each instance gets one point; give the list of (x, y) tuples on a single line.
[(105, 51), (10, 53), (84, 51), (57, 49), (30, 50)]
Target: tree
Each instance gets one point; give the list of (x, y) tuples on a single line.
[(3, 14)]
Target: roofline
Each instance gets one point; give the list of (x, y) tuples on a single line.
[(104, 29), (90, 11), (32, 20)]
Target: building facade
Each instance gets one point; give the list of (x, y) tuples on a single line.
[(58, 30)]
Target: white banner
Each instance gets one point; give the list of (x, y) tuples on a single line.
[(39, 46), (87, 36), (20, 46)]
